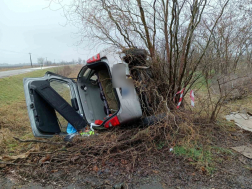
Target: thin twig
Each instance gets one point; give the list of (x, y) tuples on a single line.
[(18, 164), (39, 141)]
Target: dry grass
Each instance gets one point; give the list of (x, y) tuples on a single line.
[(229, 93), (64, 71), (241, 105), (125, 148), (122, 144), (14, 123), (188, 134), (14, 120)]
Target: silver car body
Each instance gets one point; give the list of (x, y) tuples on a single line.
[(129, 107)]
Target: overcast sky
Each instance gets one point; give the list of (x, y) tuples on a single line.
[(26, 26)]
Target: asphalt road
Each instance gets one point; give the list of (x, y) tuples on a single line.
[(21, 71)]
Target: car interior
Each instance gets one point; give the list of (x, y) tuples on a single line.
[(48, 96), (98, 97)]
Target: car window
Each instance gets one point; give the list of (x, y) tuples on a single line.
[(86, 73), (63, 89), (93, 77)]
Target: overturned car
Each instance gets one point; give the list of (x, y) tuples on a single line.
[(103, 95)]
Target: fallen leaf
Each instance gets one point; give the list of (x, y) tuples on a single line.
[(73, 159), (107, 182), (44, 159), (95, 168), (54, 171), (203, 169), (190, 159), (155, 171), (124, 162), (20, 156), (103, 163)]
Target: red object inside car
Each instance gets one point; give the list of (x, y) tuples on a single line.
[(98, 122)]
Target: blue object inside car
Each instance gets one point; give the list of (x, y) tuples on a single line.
[(70, 129)]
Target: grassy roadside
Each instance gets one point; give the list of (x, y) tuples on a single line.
[(212, 148), (12, 87), (16, 68), (200, 149), (14, 120)]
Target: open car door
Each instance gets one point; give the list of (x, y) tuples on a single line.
[(53, 102)]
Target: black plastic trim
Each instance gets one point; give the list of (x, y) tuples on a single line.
[(45, 91)]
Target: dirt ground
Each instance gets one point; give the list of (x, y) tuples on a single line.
[(156, 168), (162, 169)]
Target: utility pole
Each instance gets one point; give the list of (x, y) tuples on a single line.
[(30, 59), (46, 61)]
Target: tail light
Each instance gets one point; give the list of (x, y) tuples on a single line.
[(112, 122), (94, 59)]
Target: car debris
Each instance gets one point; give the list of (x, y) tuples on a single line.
[(245, 150), (103, 96), (242, 120)]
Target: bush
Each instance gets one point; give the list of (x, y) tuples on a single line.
[(64, 71)]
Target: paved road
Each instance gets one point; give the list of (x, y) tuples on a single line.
[(21, 71)]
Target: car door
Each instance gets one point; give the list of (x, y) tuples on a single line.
[(53, 102)]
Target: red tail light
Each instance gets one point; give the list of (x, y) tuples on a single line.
[(94, 59), (112, 122)]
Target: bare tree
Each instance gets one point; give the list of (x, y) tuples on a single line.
[(79, 60), (41, 61), (183, 38)]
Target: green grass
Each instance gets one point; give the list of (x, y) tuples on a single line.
[(195, 153), (200, 157), (220, 150), (14, 120), (205, 157), (160, 145), (12, 87)]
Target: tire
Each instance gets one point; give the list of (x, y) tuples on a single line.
[(135, 56)]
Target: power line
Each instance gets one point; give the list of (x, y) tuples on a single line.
[(19, 52), (36, 55), (12, 51)]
